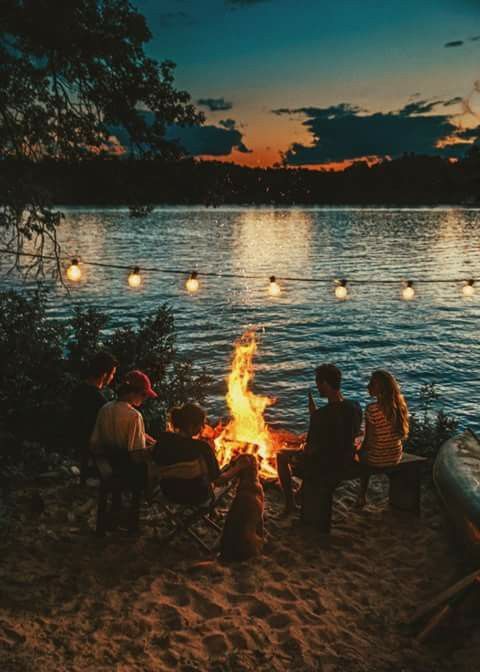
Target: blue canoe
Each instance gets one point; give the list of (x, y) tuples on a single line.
[(456, 474)]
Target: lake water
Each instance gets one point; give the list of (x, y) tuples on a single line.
[(434, 338)]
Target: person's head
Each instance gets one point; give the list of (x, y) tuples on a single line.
[(328, 378), (136, 388), (188, 419), (386, 389), (102, 368)]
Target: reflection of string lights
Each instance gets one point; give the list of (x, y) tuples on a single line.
[(274, 288), (468, 288), (408, 292), (74, 273), (341, 290), (192, 283), (135, 279)]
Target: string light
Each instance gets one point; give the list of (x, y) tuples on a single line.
[(468, 288), (134, 278), (274, 288), (408, 292), (74, 272), (341, 290), (192, 283)]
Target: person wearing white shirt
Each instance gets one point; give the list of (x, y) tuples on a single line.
[(119, 434)]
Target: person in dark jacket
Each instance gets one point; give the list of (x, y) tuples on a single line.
[(179, 449), (87, 399), (330, 446)]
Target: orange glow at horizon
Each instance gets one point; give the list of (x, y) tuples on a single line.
[(271, 159)]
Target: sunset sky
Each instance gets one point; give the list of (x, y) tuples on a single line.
[(323, 81)]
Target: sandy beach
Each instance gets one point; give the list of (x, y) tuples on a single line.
[(71, 602)]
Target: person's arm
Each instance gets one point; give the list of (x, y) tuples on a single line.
[(150, 441), (369, 436), (311, 403), (211, 461), (136, 442), (314, 435)]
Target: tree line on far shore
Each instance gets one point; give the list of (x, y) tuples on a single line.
[(409, 180)]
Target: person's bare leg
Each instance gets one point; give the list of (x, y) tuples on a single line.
[(362, 495), (285, 478)]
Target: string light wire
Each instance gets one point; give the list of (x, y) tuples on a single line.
[(241, 276)]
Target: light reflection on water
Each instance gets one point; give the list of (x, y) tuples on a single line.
[(433, 339)]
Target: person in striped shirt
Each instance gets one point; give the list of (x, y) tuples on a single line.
[(386, 426)]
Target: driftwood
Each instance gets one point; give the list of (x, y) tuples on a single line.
[(443, 604)]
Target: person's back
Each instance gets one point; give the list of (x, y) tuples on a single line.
[(86, 401), (173, 449), (331, 436), (181, 448), (385, 447), (119, 429)]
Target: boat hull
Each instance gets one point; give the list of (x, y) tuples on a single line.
[(456, 474)]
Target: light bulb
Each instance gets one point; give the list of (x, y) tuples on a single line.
[(74, 273), (274, 288), (134, 278), (192, 283), (341, 290), (408, 293), (469, 289)]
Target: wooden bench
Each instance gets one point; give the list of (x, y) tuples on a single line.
[(404, 490)]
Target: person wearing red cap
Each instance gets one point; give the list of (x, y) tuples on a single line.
[(119, 433)]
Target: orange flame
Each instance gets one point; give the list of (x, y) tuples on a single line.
[(247, 431)]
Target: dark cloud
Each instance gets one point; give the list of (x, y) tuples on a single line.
[(469, 134), (227, 123), (212, 140), (345, 132), (215, 104), (453, 101), (195, 140), (475, 38), (420, 107), (455, 43)]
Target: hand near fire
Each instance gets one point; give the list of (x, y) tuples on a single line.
[(149, 441)]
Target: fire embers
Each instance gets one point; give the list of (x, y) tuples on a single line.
[(247, 431)]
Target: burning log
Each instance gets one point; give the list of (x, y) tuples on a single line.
[(247, 431)]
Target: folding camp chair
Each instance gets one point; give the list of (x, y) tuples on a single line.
[(184, 517), (112, 486)]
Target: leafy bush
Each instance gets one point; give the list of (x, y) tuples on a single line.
[(41, 360), (429, 428)]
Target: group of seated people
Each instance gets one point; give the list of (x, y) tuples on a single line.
[(339, 440)]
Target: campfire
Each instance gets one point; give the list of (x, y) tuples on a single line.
[(247, 431)]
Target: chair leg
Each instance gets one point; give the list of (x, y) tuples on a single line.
[(134, 513), (84, 459), (101, 524)]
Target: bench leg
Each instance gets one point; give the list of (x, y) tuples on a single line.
[(317, 506), (404, 493)]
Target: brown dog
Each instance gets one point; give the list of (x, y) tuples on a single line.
[(242, 536)]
